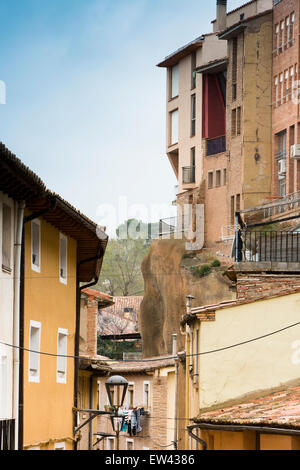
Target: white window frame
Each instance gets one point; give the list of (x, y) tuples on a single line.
[(292, 39), (287, 26), (34, 356), (63, 280), (281, 88), (130, 384), (174, 88), (61, 372), (60, 445), (276, 91), (277, 37), (98, 395), (282, 28), (147, 382), (129, 441), (286, 90), (174, 127), (112, 440), (35, 267)]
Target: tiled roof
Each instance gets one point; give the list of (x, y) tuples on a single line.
[(104, 299), (277, 409), (146, 365)]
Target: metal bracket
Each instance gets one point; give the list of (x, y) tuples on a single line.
[(94, 414)]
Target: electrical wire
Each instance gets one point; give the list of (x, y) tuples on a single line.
[(158, 358)]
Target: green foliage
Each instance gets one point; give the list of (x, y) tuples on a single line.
[(204, 269), (215, 264), (121, 270), (115, 349)]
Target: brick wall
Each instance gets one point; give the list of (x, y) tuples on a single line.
[(160, 423), (92, 314), (251, 287)]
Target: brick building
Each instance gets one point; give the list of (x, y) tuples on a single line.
[(219, 120)]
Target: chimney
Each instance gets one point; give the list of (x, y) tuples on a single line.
[(221, 15)]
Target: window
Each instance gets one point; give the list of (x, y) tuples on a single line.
[(146, 387), (277, 37), (130, 395), (6, 238), (232, 215), (193, 157), (210, 179), (286, 86), (110, 443), (233, 123), (174, 81), (3, 384), (193, 71), (287, 26), (62, 344), (174, 127), (224, 176), (129, 444), (276, 91), (36, 245), (63, 258), (128, 310), (34, 346), (281, 89), (292, 36), (238, 121), (292, 82), (218, 178), (234, 67), (282, 35), (60, 446), (193, 112)]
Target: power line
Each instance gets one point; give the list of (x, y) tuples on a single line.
[(158, 358)]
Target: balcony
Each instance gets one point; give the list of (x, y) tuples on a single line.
[(216, 145), (188, 175), (174, 227), (7, 434)]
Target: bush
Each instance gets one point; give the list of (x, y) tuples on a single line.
[(204, 270), (215, 264)]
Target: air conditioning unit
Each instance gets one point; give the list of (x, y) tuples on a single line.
[(295, 151), (282, 167)]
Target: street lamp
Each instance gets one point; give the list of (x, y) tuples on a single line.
[(116, 401)]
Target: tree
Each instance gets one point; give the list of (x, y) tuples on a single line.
[(121, 270)]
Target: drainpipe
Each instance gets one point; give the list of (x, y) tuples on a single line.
[(193, 436), (77, 330), (174, 354), (19, 208)]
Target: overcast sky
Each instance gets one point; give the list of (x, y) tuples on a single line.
[(85, 104)]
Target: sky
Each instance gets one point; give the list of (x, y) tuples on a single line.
[(85, 102)]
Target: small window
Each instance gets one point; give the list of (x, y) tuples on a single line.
[(174, 116), (6, 238), (238, 121), (232, 214), (63, 255), (233, 123), (130, 395), (129, 444), (225, 176), (146, 387), (128, 310), (277, 37), (210, 179), (292, 35), (174, 85), (34, 347), (238, 202), (193, 112), (282, 35), (110, 443), (193, 70), (218, 177), (60, 446), (36, 245), (62, 344)]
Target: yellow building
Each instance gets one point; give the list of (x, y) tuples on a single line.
[(241, 351), (61, 249)]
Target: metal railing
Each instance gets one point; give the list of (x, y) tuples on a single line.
[(216, 145), (273, 246), (7, 434), (188, 174), (174, 225), (277, 207)]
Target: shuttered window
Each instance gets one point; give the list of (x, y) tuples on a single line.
[(34, 347), (6, 237), (61, 353), (36, 245)]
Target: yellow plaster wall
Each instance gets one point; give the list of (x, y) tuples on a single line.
[(48, 405)]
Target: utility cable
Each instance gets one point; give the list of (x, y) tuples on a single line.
[(158, 358)]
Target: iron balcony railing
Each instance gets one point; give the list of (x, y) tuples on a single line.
[(188, 174), (216, 145), (7, 434), (260, 246)]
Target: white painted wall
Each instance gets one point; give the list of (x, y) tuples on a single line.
[(259, 365), (6, 321)]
